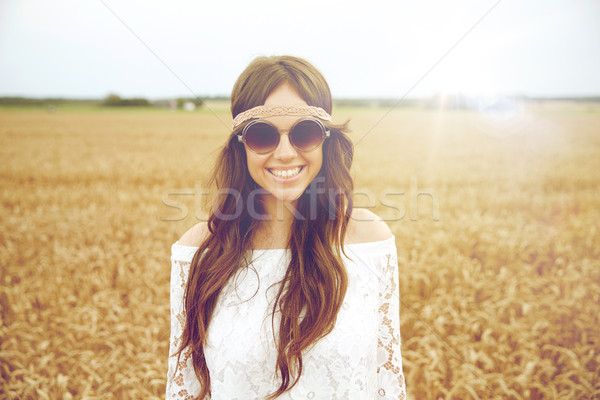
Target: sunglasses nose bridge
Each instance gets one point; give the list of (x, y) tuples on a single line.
[(284, 149)]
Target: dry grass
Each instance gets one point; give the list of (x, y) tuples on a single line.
[(500, 295)]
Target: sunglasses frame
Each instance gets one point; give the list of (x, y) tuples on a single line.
[(325, 133)]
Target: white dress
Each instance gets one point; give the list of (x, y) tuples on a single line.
[(359, 359)]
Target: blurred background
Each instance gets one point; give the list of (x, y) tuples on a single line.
[(477, 134)]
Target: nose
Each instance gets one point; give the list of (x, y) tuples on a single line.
[(284, 150)]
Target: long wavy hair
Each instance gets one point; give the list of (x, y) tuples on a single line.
[(314, 285)]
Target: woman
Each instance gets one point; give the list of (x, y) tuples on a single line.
[(286, 292)]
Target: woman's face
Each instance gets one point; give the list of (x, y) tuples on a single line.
[(285, 172)]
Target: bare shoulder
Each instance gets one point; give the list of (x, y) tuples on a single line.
[(365, 226), (195, 235)]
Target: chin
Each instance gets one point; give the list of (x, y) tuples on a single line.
[(287, 196)]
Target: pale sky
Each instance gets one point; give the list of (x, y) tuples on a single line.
[(377, 48)]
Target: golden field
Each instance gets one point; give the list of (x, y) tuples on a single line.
[(496, 217)]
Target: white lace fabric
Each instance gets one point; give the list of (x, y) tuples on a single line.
[(359, 359)]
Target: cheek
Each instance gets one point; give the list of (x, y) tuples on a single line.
[(317, 159), (315, 163), (253, 164)]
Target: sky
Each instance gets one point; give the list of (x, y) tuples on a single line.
[(365, 49)]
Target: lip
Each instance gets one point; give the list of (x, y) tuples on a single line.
[(286, 180)]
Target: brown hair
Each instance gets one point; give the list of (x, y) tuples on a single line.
[(313, 288)]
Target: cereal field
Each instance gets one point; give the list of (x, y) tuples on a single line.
[(496, 218)]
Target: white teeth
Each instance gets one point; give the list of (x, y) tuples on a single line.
[(285, 173)]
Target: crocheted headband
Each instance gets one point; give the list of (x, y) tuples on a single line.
[(270, 111)]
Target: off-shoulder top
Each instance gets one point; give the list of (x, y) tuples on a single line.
[(359, 359)]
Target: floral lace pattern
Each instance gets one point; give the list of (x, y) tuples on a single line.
[(359, 359)]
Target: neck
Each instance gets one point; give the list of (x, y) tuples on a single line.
[(275, 229)]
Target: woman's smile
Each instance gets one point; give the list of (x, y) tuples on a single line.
[(286, 174)]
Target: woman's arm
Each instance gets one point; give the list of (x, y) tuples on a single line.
[(389, 359), (366, 226), (181, 379)]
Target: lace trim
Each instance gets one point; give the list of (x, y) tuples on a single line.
[(270, 111), (389, 370), (182, 383)]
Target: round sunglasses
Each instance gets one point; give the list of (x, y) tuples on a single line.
[(263, 137)]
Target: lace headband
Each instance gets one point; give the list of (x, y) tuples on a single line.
[(270, 111)]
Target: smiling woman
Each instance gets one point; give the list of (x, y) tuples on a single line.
[(296, 294)]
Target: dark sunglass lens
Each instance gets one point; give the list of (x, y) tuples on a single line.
[(306, 135), (261, 137)]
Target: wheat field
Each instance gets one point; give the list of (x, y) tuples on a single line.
[(496, 217)]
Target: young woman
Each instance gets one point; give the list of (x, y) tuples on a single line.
[(286, 292)]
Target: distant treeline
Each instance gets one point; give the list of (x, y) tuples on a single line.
[(114, 100), (590, 99), (27, 101)]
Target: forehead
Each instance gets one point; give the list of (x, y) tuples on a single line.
[(284, 95)]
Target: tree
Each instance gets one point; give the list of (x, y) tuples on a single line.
[(113, 100)]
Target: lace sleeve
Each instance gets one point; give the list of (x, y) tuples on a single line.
[(389, 359), (181, 380)]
